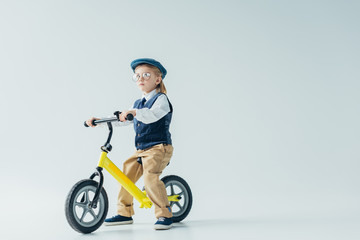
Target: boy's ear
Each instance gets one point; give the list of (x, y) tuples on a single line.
[(158, 80)]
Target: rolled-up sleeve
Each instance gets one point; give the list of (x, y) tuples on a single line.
[(158, 110)]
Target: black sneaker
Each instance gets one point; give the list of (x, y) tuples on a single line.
[(163, 223), (118, 220)]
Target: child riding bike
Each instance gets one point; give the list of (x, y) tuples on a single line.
[(152, 117)]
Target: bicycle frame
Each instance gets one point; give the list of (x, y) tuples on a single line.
[(139, 195)]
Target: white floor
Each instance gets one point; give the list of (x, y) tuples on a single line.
[(287, 228), (235, 229), (32, 215)]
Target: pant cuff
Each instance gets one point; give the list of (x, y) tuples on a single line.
[(163, 212), (126, 211)]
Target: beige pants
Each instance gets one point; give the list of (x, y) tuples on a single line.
[(154, 160)]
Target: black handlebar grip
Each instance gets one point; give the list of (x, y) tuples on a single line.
[(129, 117), (93, 123)]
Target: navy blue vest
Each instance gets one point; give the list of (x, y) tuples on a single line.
[(148, 135)]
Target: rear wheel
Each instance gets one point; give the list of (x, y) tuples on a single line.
[(80, 215), (175, 185)]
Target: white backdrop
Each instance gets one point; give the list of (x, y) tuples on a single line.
[(265, 95)]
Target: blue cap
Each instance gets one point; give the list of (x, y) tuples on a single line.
[(150, 61)]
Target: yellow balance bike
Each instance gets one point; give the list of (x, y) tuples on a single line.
[(87, 203)]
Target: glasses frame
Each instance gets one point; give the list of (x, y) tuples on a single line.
[(146, 76)]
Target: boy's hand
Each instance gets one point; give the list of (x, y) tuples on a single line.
[(89, 121), (125, 113)]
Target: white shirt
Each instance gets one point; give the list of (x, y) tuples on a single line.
[(158, 110)]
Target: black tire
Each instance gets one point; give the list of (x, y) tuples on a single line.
[(79, 198), (175, 185)]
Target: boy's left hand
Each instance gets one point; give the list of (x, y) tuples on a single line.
[(125, 113)]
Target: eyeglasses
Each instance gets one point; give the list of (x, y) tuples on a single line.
[(136, 76)]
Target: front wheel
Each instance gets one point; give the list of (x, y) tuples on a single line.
[(80, 215), (175, 185)]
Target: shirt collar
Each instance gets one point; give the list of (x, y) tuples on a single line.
[(149, 95)]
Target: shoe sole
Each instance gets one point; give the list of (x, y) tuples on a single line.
[(162, 227), (118, 223)]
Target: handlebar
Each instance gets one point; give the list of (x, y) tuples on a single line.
[(129, 117)]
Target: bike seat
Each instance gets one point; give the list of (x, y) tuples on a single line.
[(139, 160)]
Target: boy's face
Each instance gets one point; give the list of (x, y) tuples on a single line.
[(145, 82)]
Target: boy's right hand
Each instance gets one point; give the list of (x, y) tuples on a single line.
[(89, 121)]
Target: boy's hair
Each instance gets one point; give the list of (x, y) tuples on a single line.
[(161, 86)]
